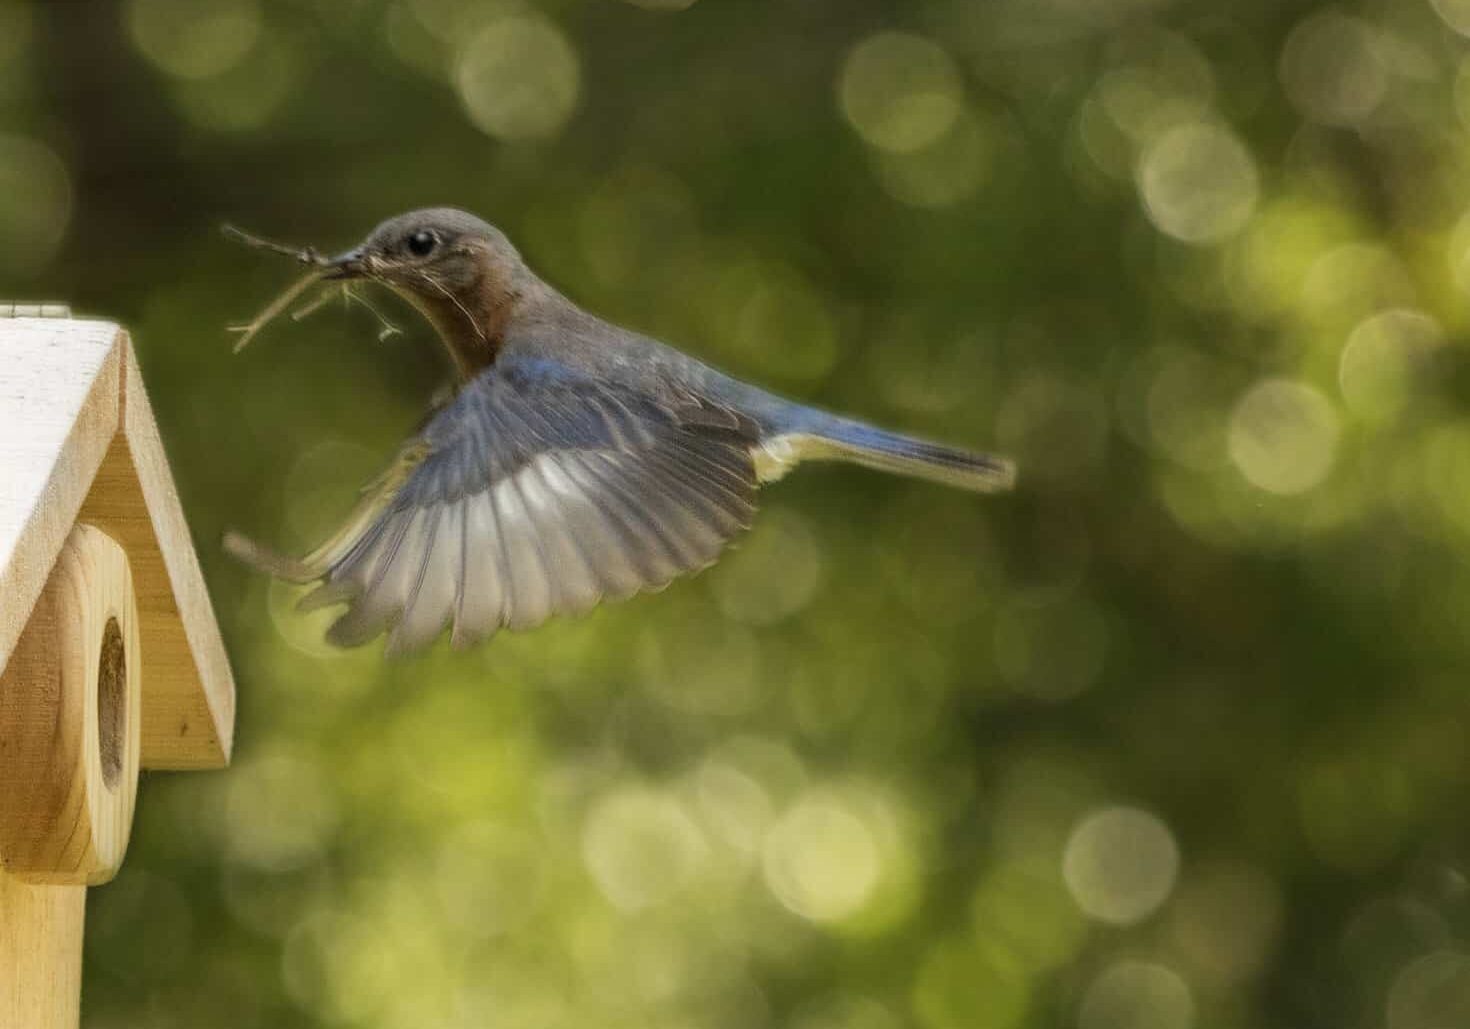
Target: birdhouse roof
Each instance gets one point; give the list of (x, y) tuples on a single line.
[(78, 443)]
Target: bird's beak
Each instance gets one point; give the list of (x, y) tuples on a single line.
[(347, 265)]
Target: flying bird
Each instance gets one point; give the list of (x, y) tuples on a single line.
[(575, 460)]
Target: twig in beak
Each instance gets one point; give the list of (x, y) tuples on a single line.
[(385, 327), (306, 255), (321, 300), (320, 266), (285, 300)]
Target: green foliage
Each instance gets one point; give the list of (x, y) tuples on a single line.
[(1175, 736)]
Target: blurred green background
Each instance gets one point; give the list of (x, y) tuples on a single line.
[(1173, 738)]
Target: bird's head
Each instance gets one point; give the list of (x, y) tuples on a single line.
[(460, 271), (427, 251)]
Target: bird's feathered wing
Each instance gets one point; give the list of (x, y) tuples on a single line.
[(536, 491)]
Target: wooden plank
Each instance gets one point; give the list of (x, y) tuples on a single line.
[(60, 384), (40, 954), (188, 687), (78, 440)]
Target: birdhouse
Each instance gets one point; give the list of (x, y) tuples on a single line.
[(110, 657)]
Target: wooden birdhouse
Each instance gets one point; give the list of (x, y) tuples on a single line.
[(110, 658)]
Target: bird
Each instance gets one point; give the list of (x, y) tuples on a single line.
[(572, 461)]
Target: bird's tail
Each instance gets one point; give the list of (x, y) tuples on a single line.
[(844, 440)]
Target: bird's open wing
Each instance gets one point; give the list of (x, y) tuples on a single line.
[(536, 491)]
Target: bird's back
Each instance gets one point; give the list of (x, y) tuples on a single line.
[(785, 432), (560, 331)]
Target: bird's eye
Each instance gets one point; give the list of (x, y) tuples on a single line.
[(422, 243)]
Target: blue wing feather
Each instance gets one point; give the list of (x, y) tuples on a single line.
[(540, 490)]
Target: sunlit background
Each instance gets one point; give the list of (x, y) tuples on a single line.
[(1173, 738)]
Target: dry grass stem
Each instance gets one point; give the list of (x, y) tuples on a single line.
[(286, 299)]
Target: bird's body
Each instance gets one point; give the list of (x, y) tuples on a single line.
[(576, 460)]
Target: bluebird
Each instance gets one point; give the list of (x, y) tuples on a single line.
[(574, 461)]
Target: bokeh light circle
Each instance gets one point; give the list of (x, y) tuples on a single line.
[(1283, 436), (194, 39), (1158, 79), (519, 78), (280, 812), (822, 859), (1330, 69), (775, 574), (1376, 369), (1354, 279), (1137, 995), (1225, 920), (1382, 355), (1456, 14), (488, 879), (249, 95), (776, 315), (641, 846), (900, 92), (1198, 182), (968, 983), (735, 806), (35, 203), (1120, 864), (944, 172), (1431, 992)]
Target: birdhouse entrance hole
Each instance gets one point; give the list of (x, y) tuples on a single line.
[(112, 703)]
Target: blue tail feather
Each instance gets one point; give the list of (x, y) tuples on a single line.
[(793, 432), (826, 436)]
